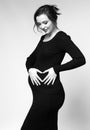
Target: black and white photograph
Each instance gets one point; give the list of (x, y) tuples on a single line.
[(44, 65)]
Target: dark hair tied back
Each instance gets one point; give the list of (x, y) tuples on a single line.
[(54, 12), (50, 10), (54, 7)]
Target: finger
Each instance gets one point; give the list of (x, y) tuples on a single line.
[(47, 80), (39, 71), (53, 81), (32, 81), (36, 82), (39, 78), (45, 71)]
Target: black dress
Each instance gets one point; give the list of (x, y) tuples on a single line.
[(48, 99)]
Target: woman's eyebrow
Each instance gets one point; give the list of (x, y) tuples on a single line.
[(42, 21)]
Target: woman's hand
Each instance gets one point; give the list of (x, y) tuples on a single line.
[(34, 76), (51, 76)]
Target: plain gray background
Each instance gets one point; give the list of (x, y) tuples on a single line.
[(17, 41)]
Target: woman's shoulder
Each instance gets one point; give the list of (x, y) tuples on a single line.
[(63, 35)]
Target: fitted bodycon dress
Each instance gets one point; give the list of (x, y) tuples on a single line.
[(48, 99)]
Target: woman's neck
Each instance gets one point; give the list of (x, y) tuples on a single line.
[(51, 35)]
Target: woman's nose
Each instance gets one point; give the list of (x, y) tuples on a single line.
[(42, 26)]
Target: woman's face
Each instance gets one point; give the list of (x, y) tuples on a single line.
[(45, 24)]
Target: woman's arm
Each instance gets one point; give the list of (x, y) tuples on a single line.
[(31, 60), (69, 47)]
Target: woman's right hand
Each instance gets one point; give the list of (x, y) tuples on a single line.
[(34, 76)]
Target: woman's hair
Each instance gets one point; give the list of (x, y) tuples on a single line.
[(50, 10)]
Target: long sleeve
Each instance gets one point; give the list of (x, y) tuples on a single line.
[(69, 47), (32, 57), (31, 60)]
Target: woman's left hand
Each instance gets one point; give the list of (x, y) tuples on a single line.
[(51, 76)]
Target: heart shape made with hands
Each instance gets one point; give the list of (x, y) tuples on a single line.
[(42, 75)]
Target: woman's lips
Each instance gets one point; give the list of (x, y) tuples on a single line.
[(45, 30)]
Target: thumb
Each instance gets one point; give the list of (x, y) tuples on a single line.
[(39, 71), (45, 71)]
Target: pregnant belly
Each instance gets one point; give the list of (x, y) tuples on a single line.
[(44, 88), (55, 91)]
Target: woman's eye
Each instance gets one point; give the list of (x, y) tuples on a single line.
[(45, 22)]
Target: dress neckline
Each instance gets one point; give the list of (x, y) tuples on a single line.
[(50, 39)]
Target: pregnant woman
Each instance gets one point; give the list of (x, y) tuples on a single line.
[(44, 65)]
